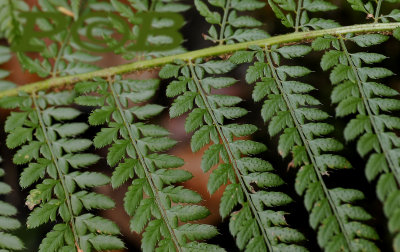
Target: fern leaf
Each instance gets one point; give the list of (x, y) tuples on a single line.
[(372, 125)]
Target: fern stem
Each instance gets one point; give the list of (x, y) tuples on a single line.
[(223, 25), (298, 14), (391, 162), (59, 170), (144, 165), (64, 43), (60, 53), (231, 156), (309, 152), (152, 5), (207, 52), (377, 11)]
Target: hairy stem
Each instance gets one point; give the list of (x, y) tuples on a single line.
[(232, 158), (392, 163), (59, 170), (308, 149), (212, 51), (146, 169)]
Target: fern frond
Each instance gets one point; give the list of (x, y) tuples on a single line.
[(356, 92), (136, 151), (229, 28), (250, 181), (295, 14), (52, 151), (8, 242), (288, 107)]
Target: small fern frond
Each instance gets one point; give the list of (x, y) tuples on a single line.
[(229, 28), (8, 242), (52, 151), (251, 181), (357, 93), (136, 151), (295, 14), (290, 109), (5, 56), (11, 23), (372, 10)]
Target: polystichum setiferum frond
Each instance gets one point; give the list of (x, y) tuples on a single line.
[(127, 112), (155, 204)]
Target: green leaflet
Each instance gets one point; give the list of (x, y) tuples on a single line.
[(250, 179), (372, 126), (54, 152), (287, 107), (135, 148)]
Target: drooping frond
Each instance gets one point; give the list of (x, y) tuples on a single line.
[(289, 108), (55, 157), (155, 203), (251, 182), (357, 93)]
